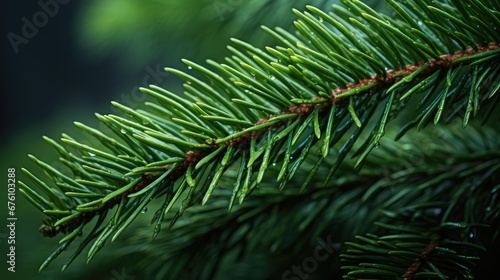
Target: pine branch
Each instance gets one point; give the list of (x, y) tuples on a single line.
[(275, 108), (416, 235)]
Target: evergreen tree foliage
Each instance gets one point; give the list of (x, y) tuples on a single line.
[(288, 155)]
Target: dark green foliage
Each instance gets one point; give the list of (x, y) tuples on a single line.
[(417, 198), (280, 128)]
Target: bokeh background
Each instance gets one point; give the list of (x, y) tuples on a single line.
[(80, 56)]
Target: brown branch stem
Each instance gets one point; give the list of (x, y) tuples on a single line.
[(415, 266)]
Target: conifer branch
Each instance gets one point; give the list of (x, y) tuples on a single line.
[(415, 266), (373, 84), (319, 90), (413, 229)]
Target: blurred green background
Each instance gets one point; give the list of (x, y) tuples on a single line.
[(64, 60)]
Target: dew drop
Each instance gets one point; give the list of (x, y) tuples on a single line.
[(320, 19), (144, 210), (377, 145), (272, 77), (274, 163), (91, 154), (419, 22), (189, 67)]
